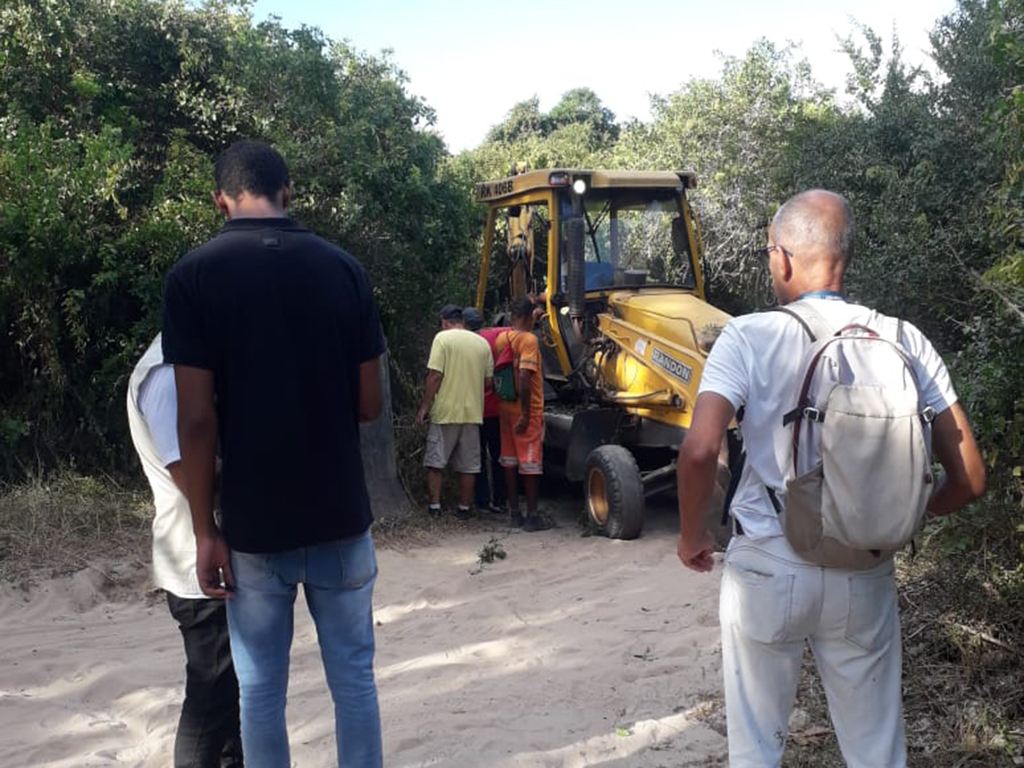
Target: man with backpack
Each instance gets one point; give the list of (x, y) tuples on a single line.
[(839, 408)]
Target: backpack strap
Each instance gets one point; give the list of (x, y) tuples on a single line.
[(886, 327), (796, 316), (737, 461), (803, 408), (928, 412), (817, 327)]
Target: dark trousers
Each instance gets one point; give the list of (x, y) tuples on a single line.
[(490, 443), (208, 735)]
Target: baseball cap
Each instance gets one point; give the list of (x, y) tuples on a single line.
[(451, 312), (472, 318)]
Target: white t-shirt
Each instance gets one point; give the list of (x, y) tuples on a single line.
[(152, 417), (756, 364), (158, 401)]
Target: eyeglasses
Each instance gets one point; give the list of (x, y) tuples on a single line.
[(762, 254)]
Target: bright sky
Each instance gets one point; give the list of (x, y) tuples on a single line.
[(471, 60)]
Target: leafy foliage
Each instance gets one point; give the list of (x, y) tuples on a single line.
[(113, 109), (932, 166), (579, 131), (110, 114), (579, 106), (737, 133)]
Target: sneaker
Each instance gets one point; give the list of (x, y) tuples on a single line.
[(433, 511), (516, 519), (536, 522), (463, 513), (496, 509)]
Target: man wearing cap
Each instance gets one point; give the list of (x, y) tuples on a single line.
[(460, 368), (490, 493)]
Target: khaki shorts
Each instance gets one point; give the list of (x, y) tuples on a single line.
[(459, 443)]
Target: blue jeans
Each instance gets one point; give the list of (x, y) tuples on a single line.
[(337, 579)]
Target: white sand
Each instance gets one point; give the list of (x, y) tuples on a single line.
[(571, 652)]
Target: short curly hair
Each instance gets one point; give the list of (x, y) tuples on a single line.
[(253, 167), (522, 308)]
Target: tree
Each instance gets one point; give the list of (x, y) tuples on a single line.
[(578, 131), (110, 114), (581, 106), (736, 133), (523, 121)]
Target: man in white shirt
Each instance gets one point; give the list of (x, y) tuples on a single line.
[(208, 729), (772, 599)]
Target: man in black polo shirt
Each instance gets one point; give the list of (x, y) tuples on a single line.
[(276, 345)]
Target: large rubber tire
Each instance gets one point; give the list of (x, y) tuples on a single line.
[(615, 492)]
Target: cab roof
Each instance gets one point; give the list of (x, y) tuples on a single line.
[(553, 178)]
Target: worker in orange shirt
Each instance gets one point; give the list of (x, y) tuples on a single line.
[(522, 420)]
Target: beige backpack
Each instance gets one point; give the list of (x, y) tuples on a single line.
[(858, 475)]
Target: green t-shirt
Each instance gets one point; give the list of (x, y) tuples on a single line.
[(465, 360)]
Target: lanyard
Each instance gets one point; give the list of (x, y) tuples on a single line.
[(830, 295)]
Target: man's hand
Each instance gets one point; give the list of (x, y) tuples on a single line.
[(695, 551), (696, 473), (213, 567), (522, 424), (434, 379)]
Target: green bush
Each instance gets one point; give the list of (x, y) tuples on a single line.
[(110, 116), (111, 113)]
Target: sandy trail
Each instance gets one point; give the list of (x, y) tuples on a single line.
[(571, 652)]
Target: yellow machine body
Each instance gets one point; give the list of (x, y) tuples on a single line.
[(655, 368), (661, 334), (615, 259)]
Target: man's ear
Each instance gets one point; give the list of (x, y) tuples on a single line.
[(286, 196), (787, 267), (219, 201)]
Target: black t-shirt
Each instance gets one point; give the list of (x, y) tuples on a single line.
[(283, 319)]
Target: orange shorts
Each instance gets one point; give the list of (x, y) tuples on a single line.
[(525, 450)]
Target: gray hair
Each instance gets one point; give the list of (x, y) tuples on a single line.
[(811, 218)]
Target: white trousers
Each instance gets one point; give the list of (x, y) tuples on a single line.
[(772, 602)]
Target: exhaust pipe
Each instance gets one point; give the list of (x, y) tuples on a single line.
[(576, 284), (575, 234)]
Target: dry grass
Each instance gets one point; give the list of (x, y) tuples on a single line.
[(61, 525), (410, 440), (420, 530)]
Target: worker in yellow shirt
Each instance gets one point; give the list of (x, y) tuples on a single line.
[(459, 371)]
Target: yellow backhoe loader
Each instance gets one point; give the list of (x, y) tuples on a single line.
[(614, 259)]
